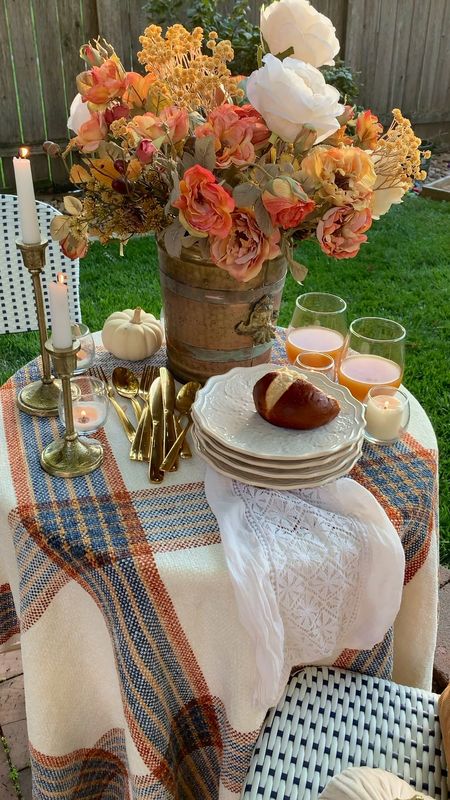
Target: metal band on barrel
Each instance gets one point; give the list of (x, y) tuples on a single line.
[(215, 295), (222, 356)]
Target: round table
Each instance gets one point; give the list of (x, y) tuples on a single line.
[(94, 567)]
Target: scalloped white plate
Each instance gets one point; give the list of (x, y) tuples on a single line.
[(273, 482), (225, 411), (282, 469)]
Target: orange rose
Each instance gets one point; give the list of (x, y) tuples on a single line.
[(287, 203), (340, 175), (138, 87), (101, 84), (245, 249), (260, 131), (233, 136), (341, 231), (205, 207), (368, 130), (91, 133)]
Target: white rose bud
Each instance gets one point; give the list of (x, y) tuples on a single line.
[(79, 113), (289, 94), (296, 24)]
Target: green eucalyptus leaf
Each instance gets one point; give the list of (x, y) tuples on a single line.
[(245, 195), (263, 218), (297, 270), (173, 238), (205, 152)]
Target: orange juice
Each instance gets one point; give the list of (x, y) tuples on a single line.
[(313, 338), (360, 372)]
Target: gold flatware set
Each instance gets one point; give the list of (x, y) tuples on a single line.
[(158, 437)]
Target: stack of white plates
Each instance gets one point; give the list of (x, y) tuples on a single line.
[(234, 439)]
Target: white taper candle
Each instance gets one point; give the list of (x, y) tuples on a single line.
[(28, 218), (59, 313)]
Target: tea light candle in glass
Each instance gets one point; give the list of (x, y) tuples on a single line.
[(321, 363), (86, 353), (387, 414), (89, 405)]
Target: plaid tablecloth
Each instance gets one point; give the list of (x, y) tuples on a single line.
[(138, 673)]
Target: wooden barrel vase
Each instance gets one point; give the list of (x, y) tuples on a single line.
[(214, 323)]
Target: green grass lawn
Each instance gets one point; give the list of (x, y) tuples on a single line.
[(403, 272)]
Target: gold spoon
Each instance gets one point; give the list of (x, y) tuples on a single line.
[(184, 401), (127, 385)]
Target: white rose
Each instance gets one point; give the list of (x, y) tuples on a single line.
[(289, 94), (295, 23), (79, 113)]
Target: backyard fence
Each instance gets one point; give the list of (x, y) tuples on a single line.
[(401, 48)]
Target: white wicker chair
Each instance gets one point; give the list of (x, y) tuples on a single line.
[(330, 719), (17, 310)]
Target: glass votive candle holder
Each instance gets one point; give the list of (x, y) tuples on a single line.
[(86, 354), (321, 363), (387, 414), (90, 404)]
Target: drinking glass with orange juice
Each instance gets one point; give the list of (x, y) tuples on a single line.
[(318, 324), (373, 354)]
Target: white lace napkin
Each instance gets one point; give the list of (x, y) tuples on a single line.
[(315, 571)]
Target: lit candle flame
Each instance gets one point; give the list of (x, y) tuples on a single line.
[(23, 152), (83, 418), (61, 277), (386, 404)]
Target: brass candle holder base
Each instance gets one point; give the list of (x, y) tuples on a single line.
[(70, 456), (66, 458), (40, 398)]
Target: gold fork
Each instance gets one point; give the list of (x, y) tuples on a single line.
[(148, 376), (140, 448), (99, 372)]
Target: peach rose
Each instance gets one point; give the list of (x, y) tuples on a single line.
[(260, 131), (91, 133), (172, 122), (340, 175), (245, 249), (287, 203), (233, 136), (368, 130), (204, 206), (341, 231), (101, 84)]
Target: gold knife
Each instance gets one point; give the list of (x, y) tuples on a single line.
[(168, 402), (156, 454), (140, 449), (125, 422)]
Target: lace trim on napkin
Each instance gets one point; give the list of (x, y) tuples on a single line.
[(309, 580), (318, 560)]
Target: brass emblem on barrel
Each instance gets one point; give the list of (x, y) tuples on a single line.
[(260, 321)]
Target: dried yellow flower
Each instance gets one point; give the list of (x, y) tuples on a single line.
[(185, 75)]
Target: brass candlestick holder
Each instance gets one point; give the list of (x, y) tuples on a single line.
[(39, 398), (70, 456)]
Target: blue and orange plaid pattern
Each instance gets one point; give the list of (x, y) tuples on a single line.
[(95, 531)]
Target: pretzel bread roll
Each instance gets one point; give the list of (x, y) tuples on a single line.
[(289, 400)]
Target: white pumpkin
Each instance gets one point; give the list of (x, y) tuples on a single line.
[(132, 334), (366, 783)]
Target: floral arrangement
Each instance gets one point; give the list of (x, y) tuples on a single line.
[(238, 167)]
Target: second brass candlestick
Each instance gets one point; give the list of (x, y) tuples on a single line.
[(71, 455), (39, 398)]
